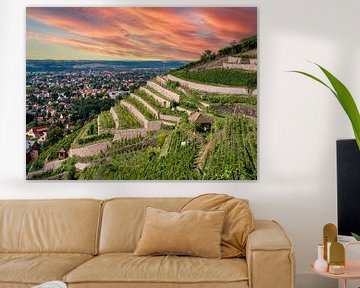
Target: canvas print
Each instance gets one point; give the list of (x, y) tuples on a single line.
[(140, 93)]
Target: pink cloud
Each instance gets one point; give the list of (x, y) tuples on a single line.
[(144, 33)]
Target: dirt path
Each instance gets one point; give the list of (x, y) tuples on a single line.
[(204, 154)]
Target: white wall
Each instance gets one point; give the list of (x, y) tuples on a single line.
[(299, 121)]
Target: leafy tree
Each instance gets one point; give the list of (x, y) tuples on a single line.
[(207, 55), (54, 135), (29, 118), (91, 130), (70, 170), (54, 96)]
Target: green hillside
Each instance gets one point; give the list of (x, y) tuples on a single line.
[(225, 77), (198, 136)]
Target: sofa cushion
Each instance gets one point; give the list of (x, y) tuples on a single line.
[(123, 220), (126, 268), (194, 232), (63, 226), (239, 220), (36, 268)]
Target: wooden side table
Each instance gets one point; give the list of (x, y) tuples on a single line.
[(352, 268)]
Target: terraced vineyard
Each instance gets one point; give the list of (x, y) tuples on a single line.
[(187, 100), (148, 164), (229, 99), (156, 105), (106, 121), (234, 154), (88, 135), (51, 152), (126, 119), (139, 106), (158, 94), (226, 77), (214, 138)]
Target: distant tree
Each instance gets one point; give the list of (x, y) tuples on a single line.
[(207, 55), (54, 96), (29, 118), (70, 171), (91, 130), (54, 135), (248, 43), (234, 47)]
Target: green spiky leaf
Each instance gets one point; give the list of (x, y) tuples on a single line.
[(344, 97), (356, 236)]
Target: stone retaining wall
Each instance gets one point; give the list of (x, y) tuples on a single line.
[(146, 104), (238, 60), (209, 65), (212, 89), (167, 93), (160, 79), (149, 125), (134, 111), (171, 118), (163, 102), (115, 117), (98, 124), (105, 130), (205, 104), (248, 67), (153, 125), (89, 150), (228, 62), (129, 134), (188, 112)]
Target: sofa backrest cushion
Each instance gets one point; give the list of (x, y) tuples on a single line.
[(123, 220), (33, 226)]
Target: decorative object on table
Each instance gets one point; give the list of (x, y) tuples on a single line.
[(344, 273), (344, 97), (337, 258), (52, 284), (329, 236), (320, 264)]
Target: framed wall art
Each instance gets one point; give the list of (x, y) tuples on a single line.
[(160, 93)]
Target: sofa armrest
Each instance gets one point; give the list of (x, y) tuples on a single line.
[(269, 255)]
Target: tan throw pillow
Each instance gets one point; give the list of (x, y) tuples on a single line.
[(196, 233), (238, 224)]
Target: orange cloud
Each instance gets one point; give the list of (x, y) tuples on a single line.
[(141, 33)]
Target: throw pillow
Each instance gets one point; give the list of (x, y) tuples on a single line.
[(196, 233), (238, 224)]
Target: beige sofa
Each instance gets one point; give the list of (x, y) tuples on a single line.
[(89, 243)]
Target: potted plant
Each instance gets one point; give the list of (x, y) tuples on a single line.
[(346, 185), (344, 97)]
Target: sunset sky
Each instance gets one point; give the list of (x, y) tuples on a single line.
[(114, 33)]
